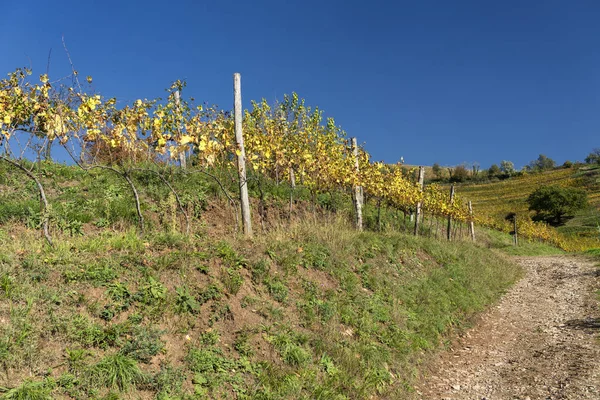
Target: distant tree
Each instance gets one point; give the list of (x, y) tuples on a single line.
[(494, 171), (460, 174), (507, 167), (475, 169), (593, 157), (567, 164), (556, 202), (542, 163), (437, 170)]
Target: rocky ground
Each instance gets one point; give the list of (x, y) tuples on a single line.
[(540, 342)]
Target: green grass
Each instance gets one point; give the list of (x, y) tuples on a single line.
[(309, 309), (505, 243)]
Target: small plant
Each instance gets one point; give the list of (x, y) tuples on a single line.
[(277, 289), (29, 390), (168, 382), (116, 371), (260, 271), (7, 284), (153, 292), (229, 256), (97, 274), (328, 365), (144, 344), (76, 359), (185, 302), (220, 312), (232, 280), (295, 355), (119, 292), (242, 344), (212, 292), (210, 337)]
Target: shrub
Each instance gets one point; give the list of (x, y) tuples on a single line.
[(555, 202), (116, 371)]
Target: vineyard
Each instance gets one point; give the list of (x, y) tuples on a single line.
[(288, 143), (145, 288), (494, 201)]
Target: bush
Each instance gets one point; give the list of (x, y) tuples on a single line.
[(593, 157), (555, 202)]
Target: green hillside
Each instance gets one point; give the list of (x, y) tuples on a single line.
[(494, 200), (307, 309)]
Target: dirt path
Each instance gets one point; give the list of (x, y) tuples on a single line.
[(540, 341)]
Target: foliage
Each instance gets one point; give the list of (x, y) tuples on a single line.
[(507, 167), (29, 390), (593, 157), (494, 171), (460, 174), (542, 163), (116, 371), (437, 170), (556, 202), (281, 140)]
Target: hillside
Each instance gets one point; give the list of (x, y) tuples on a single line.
[(308, 308), (494, 200)]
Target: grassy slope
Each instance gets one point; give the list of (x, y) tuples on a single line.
[(308, 310), (497, 199)]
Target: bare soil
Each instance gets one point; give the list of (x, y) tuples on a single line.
[(540, 342)]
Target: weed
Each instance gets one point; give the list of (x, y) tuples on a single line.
[(242, 343), (144, 344), (185, 302), (151, 293), (97, 274), (229, 256), (76, 359), (260, 271), (210, 337), (167, 382), (220, 312), (277, 289), (7, 285), (212, 292), (232, 280), (29, 390), (316, 256), (116, 371)]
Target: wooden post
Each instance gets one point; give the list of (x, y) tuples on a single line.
[(292, 188), (471, 222), (357, 190), (421, 179), (516, 233), (241, 154), (182, 156), (449, 233)]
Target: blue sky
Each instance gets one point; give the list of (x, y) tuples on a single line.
[(432, 81)]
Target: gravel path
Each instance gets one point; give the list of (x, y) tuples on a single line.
[(540, 342)]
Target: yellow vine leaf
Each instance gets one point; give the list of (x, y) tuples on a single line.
[(185, 139)]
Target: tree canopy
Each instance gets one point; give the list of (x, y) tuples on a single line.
[(553, 203), (542, 163), (593, 157)]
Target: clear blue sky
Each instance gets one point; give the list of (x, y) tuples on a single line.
[(433, 81)]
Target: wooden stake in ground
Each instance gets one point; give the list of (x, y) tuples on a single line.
[(357, 190), (516, 233), (471, 222), (241, 154), (182, 155), (449, 233), (292, 188), (419, 204)]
